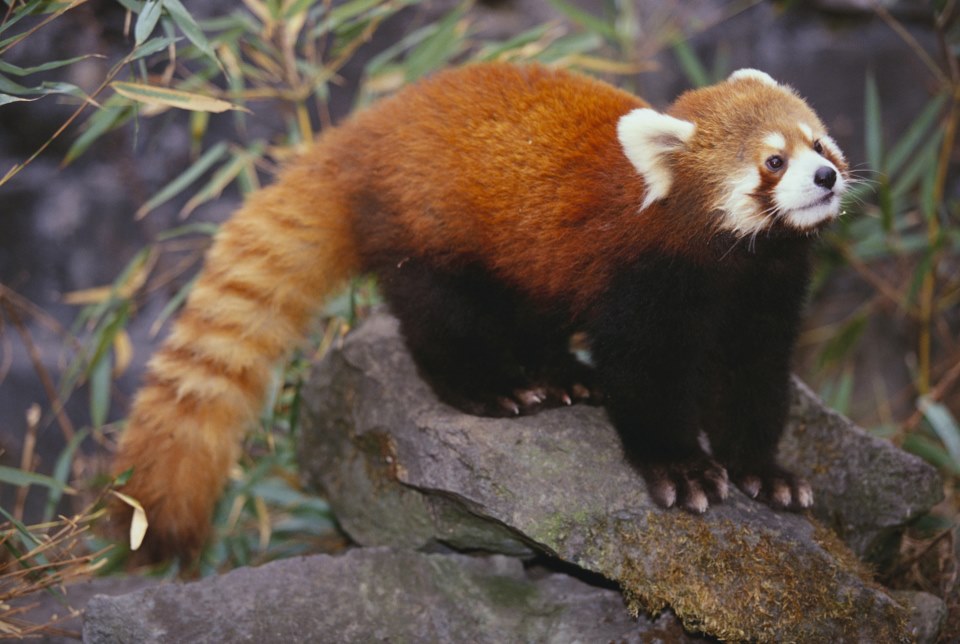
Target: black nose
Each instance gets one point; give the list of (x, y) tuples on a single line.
[(825, 177)]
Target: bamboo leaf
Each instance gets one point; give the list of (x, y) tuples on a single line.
[(924, 162), (694, 70), (171, 306), (152, 46), (147, 20), (138, 523), (873, 124), (912, 138), (223, 177), (438, 47), (944, 425), (494, 51), (100, 391), (115, 112), (22, 478), (189, 27), (154, 95), (10, 68), (189, 175), (930, 451), (843, 341), (585, 20), (61, 471), (6, 98)]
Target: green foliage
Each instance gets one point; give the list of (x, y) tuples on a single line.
[(901, 236)]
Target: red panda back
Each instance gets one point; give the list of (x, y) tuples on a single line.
[(497, 163)]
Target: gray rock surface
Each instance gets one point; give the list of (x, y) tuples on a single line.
[(866, 489), (375, 595), (402, 469)]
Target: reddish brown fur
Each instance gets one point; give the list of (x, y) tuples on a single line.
[(516, 168)]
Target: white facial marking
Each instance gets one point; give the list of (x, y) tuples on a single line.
[(647, 137), (799, 199), (775, 140), (832, 146), (755, 74), (807, 131), (741, 212)]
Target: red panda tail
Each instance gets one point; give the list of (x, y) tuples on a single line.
[(270, 266)]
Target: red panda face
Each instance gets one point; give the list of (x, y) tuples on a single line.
[(749, 151)]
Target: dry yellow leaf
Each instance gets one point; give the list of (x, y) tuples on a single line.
[(139, 523)]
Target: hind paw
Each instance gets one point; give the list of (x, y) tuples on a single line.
[(776, 487), (691, 483)]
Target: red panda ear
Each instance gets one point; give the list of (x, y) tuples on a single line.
[(648, 137), (754, 74)]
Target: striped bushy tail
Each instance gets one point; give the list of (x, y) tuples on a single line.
[(269, 268)]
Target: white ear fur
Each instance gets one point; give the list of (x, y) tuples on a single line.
[(647, 136), (754, 74)]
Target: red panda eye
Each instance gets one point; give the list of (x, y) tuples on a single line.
[(818, 147), (775, 162)]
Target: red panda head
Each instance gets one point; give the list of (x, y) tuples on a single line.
[(749, 151)]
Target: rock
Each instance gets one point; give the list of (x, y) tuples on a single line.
[(54, 616), (927, 614), (867, 490), (400, 468), (374, 594)]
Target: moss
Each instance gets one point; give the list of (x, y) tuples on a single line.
[(729, 579), (734, 582)]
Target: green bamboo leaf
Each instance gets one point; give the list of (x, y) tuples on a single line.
[(25, 533), (223, 177), (694, 70), (61, 471), (201, 228), (10, 68), (133, 6), (944, 425), (152, 46), (187, 177), (347, 11), (100, 391), (912, 138), (441, 45), (114, 113), (843, 341), (147, 20), (171, 306), (931, 452), (10, 87), (20, 13), (22, 478), (189, 27), (6, 98), (296, 8), (493, 51), (586, 20), (570, 45), (924, 162), (873, 123)]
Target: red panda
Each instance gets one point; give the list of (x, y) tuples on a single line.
[(505, 208)]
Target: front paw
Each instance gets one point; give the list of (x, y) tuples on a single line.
[(774, 486), (691, 483)]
